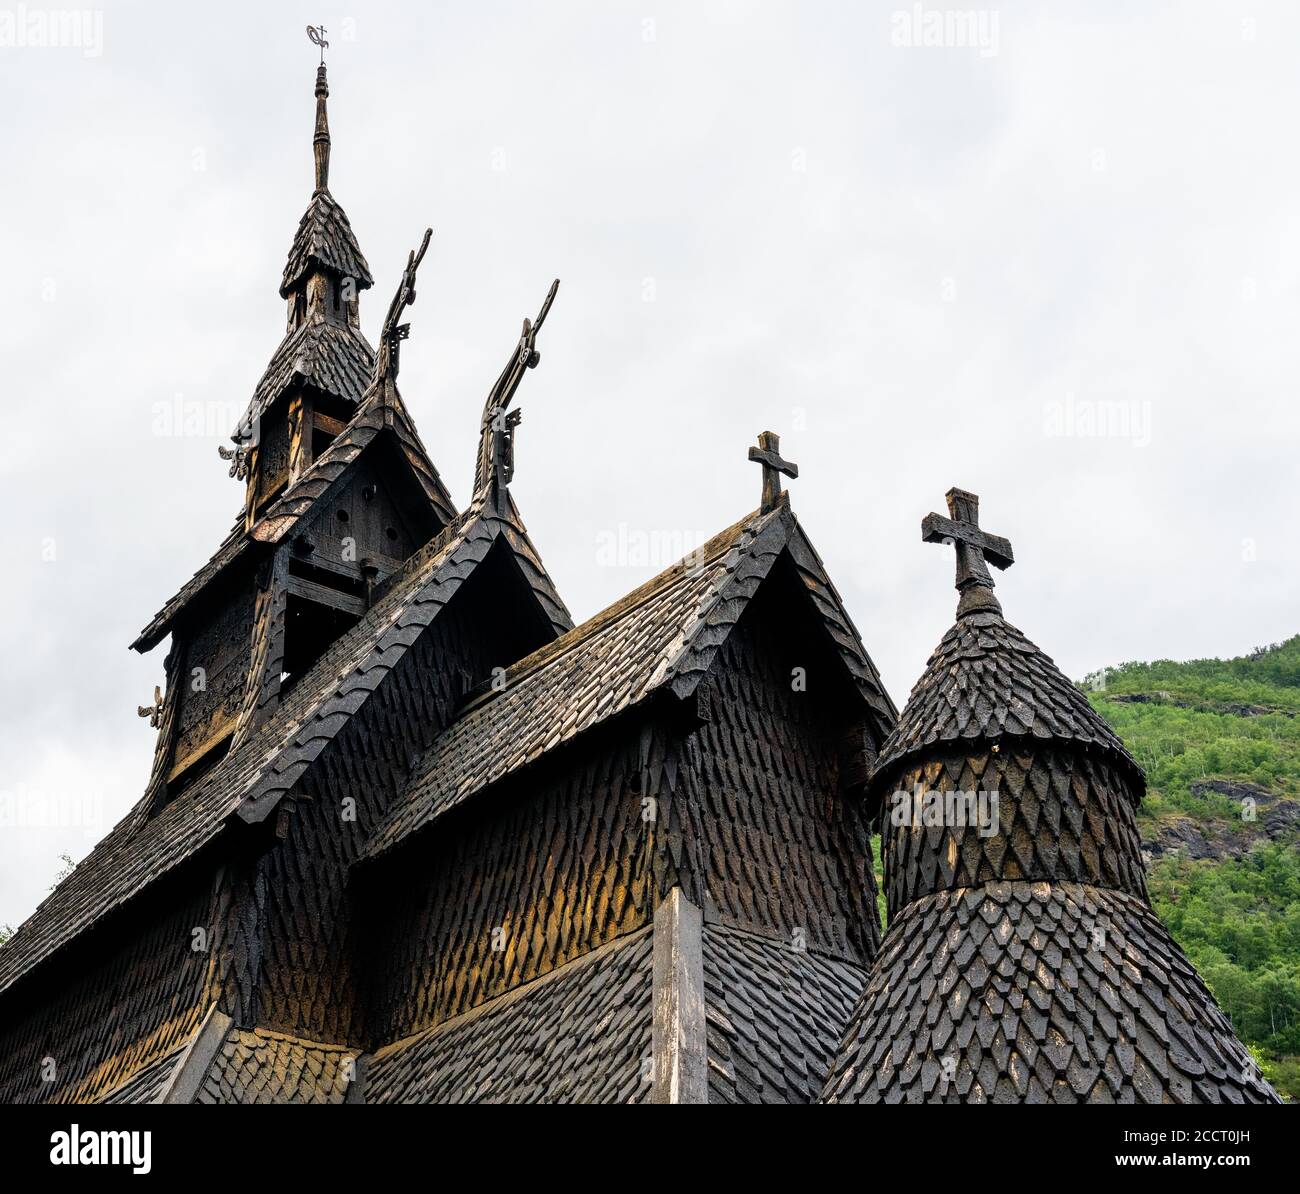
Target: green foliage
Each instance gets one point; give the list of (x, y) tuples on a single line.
[(878, 867), (1239, 922), (1210, 718), (1237, 919)]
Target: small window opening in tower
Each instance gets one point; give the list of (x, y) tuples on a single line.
[(320, 440), (310, 628)]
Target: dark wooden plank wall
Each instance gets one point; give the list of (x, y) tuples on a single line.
[(372, 519), (220, 646)]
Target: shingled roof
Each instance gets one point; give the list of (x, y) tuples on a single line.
[(328, 358), (987, 681), (662, 636), (774, 1016), (579, 1034), (251, 779), (371, 418), (1038, 992), (260, 1066), (324, 238)]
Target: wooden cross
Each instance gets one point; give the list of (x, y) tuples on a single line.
[(976, 549), (768, 454)]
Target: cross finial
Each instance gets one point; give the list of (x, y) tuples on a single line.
[(768, 454), (974, 548)]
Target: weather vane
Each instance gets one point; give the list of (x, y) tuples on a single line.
[(317, 35)]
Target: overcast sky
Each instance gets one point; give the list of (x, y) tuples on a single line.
[(1053, 260)]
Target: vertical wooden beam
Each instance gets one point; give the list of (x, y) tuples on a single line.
[(679, 1044), (192, 1068), (252, 486), (266, 648), (300, 424)]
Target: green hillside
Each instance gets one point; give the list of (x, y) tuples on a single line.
[(1220, 742)]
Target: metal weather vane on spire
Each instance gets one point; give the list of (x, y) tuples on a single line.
[(320, 145), (317, 35), (496, 454), (976, 549)]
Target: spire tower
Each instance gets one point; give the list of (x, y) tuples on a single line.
[(320, 144), (1023, 961)]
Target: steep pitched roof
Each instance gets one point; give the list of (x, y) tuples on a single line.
[(329, 358), (371, 418), (1012, 984), (260, 1066), (575, 1035), (662, 636), (251, 779), (986, 681), (775, 1015), (231, 549), (325, 238)]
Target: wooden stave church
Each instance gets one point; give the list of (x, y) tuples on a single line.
[(415, 837)]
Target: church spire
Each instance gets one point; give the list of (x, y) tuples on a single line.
[(320, 145), (320, 142), (317, 376)]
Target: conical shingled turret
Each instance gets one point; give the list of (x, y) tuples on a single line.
[(1023, 961)]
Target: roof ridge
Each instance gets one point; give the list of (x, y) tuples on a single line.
[(709, 553), (562, 693), (197, 816)]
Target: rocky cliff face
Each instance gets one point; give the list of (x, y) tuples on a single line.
[(1265, 816)]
